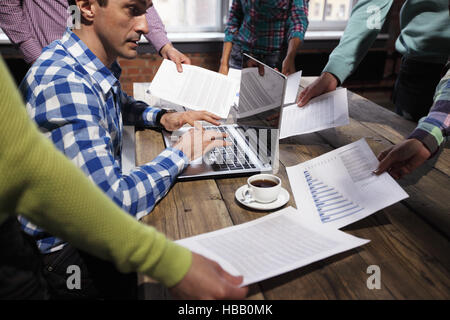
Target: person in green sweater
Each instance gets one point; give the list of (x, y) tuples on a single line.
[(424, 42), (40, 183)]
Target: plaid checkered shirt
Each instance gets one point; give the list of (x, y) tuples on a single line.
[(263, 27), (78, 103)]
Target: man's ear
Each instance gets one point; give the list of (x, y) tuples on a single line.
[(87, 9)]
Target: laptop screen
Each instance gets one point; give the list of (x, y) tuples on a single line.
[(261, 95)]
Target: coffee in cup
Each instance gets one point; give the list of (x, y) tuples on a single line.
[(264, 188)]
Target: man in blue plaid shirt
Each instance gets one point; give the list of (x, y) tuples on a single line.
[(74, 95)]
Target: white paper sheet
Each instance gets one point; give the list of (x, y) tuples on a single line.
[(339, 188), (236, 75), (292, 86), (271, 245), (326, 111), (195, 88)]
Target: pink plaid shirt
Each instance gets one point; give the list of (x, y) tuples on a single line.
[(34, 24)]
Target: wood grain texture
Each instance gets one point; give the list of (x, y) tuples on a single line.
[(409, 240)]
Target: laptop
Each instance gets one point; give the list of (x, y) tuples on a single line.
[(253, 131)]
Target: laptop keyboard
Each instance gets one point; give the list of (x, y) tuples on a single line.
[(229, 158)]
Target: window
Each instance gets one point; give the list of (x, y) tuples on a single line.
[(211, 15), (329, 8), (329, 14), (191, 15)]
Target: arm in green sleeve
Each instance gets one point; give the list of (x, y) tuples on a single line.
[(38, 182), (364, 24)]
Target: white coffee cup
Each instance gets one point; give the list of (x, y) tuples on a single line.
[(264, 188)]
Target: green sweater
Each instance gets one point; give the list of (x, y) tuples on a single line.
[(425, 33), (38, 182)]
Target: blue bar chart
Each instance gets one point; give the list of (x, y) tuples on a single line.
[(330, 204)]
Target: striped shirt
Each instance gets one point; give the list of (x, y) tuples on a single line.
[(266, 26), (77, 102), (32, 25), (434, 129)]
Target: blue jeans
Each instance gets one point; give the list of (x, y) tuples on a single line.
[(21, 276), (273, 60)]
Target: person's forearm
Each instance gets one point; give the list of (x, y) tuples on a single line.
[(293, 46), (226, 51), (364, 24), (16, 26), (157, 35)]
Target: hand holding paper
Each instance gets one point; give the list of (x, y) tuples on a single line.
[(323, 112), (195, 88)]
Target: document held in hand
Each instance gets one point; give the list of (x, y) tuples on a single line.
[(195, 88), (339, 188), (326, 111), (271, 245)]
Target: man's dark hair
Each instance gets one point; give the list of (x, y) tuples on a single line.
[(102, 3)]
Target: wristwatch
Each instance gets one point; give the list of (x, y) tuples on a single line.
[(160, 114)]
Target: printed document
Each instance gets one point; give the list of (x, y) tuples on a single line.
[(339, 188), (326, 111), (271, 245), (195, 88)]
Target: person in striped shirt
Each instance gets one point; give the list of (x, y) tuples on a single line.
[(424, 142), (73, 93), (271, 31), (32, 25)]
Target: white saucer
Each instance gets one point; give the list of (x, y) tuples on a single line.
[(283, 198)]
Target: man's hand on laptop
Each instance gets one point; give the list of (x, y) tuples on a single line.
[(198, 141), (172, 121)]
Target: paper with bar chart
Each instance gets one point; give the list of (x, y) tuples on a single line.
[(339, 188)]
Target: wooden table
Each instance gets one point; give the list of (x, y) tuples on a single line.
[(409, 240)]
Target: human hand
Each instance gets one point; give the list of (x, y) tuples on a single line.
[(288, 66), (198, 141), (169, 52), (403, 158), (174, 120), (251, 64), (206, 279), (224, 68), (325, 83)]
